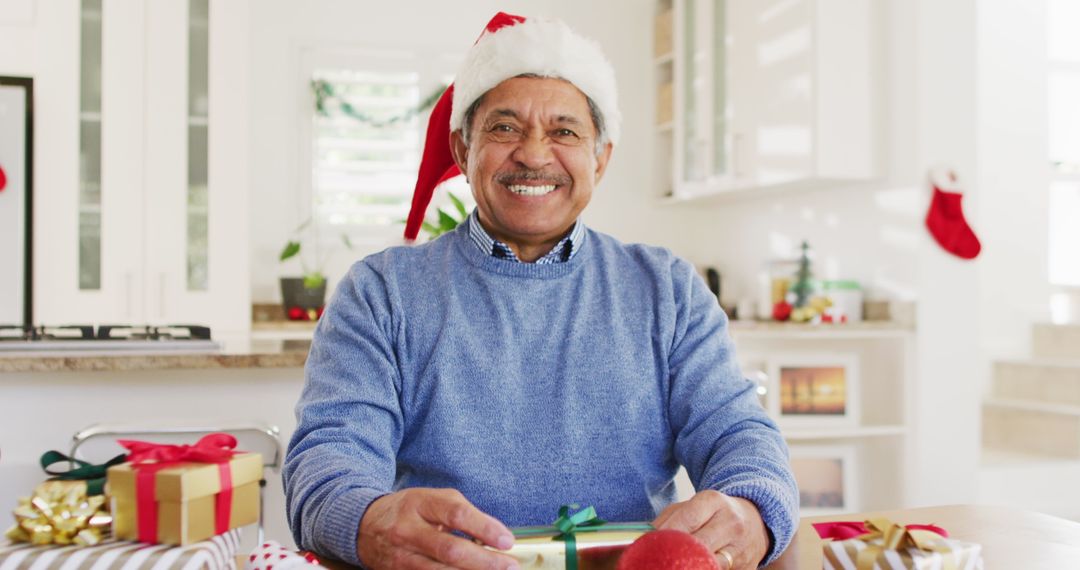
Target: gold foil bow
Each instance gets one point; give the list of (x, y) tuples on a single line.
[(895, 537), (60, 512)]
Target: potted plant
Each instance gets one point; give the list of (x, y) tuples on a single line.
[(303, 297), (446, 222)]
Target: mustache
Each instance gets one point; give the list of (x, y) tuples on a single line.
[(518, 176)]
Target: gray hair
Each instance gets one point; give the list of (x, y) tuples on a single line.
[(594, 112)]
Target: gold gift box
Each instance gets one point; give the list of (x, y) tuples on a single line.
[(186, 498), (597, 549), (840, 554)]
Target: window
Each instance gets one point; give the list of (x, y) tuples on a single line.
[(1063, 49), (369, 120), (366, 146)]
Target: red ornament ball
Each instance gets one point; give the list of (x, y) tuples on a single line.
[(296, 314), (668, 549), (781, 311)]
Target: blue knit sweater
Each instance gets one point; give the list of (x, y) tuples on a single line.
[(526, 387)]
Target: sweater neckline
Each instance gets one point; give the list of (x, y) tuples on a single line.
[(511, 268)]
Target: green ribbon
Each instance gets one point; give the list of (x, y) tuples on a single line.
[(94, 475), (567, 526)]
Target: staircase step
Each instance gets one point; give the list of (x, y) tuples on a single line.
[(1056, 341), (1044, 380), (1031, 427), (1006, 479)]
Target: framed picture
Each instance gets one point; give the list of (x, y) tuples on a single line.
[(826, 476), (16, 182), (814, 389)]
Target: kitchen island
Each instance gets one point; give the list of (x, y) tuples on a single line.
[(45, 398)]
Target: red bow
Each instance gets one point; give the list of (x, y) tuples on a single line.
[(851, 529), (212, 448), (148, 458)]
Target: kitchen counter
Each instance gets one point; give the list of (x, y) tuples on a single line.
[(253, 354)]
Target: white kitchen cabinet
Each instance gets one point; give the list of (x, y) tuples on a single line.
[(166, 188), (765, 95)]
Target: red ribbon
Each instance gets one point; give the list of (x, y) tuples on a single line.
[(148, 458), (851, 529)]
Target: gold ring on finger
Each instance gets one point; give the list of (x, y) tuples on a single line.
[(727, 558)]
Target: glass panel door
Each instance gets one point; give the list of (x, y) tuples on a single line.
[(90, 146), (198, 148)]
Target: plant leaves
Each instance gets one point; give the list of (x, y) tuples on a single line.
[(348, 242), (459, 205), (431, 229), (314, 280), (446, 221), (291, 248)]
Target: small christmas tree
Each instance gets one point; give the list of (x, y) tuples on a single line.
[(802, 286)]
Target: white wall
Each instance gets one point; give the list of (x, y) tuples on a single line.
[(282, 31), (1012, 173)]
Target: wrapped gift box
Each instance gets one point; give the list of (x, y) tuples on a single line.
[(888, 546), (218, 553), (595, 548), (186, 495)]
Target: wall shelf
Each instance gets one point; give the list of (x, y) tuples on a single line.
[(845, 433)]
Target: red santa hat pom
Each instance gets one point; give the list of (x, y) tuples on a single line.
[(510, 46), (668, 549)]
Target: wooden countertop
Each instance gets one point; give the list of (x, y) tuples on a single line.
[(1010, 538)]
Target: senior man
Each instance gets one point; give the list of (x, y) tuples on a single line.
[(523, 361)]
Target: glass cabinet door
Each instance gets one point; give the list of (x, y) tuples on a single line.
[(705, 113), (198, 145), (90, 146)]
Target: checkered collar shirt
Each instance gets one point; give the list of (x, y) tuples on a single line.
[(563, 251)]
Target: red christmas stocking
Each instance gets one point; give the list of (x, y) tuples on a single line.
[(946, 222), (3, 179)]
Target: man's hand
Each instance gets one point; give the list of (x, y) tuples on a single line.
[(725, 524), (411, 529)]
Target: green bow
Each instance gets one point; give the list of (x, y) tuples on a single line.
[(567, 526), (94, 475)]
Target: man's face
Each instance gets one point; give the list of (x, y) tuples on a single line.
[(531, 159)]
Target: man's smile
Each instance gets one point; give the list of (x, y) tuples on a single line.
[(531, 189)]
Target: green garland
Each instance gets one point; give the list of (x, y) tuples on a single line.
[(325, 95)]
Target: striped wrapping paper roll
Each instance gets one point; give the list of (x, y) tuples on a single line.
[(842, 554), (216, 553)]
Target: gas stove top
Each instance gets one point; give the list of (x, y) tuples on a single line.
[(90, 338)]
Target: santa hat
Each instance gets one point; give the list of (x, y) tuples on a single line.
[(510, 46)]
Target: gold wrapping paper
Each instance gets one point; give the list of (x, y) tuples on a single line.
[(60, 512), (891, 547), (186, 495), (596, 550)]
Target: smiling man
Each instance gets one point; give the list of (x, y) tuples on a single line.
[(523, 362)]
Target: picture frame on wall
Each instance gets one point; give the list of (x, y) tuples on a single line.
[(814, 390), (827, 478)]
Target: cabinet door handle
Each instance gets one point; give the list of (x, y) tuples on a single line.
[(127, 296), (161, 295), (736, 154)]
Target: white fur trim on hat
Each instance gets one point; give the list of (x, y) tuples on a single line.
[(547, 48)]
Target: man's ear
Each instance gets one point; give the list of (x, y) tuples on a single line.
[(460, 150), (602, 161)]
